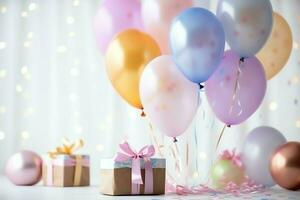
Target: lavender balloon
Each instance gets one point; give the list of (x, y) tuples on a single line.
[(258, 148), (113, 17), (236, 89)]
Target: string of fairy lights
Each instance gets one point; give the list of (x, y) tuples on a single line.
[(74, 72), (21, 90)]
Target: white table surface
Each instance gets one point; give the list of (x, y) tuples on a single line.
[(9, 191)]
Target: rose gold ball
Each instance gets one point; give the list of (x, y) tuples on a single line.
[(285, 166), (24, 168)]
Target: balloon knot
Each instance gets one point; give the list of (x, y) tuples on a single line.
[(175, 139), (201, 86), (143, 114), (228, 125), (242, 59)]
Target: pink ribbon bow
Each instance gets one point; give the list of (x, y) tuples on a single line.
[(233, 156), (145, 153)]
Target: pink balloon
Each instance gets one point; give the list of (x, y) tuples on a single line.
[(234, 93), (113, 17), (169, 99), (24, 168), (157, 16)]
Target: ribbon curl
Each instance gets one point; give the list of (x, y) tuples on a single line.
[(231, 188), (184, 190), (248, 186)]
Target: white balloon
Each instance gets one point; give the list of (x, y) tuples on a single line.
[(247, 24), (258, 148)]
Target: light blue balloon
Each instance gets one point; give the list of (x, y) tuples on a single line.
[(247, 24), (197, 41)]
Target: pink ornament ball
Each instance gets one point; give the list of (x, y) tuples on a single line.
[(24, 168)]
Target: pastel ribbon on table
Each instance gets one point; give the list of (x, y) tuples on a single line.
[(127, 153), (248, 186), (231, 188), (57, 158)]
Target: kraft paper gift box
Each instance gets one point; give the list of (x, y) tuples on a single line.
[(133, 173), (66, 170)]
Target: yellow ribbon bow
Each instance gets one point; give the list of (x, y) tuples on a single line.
[(68, 148)]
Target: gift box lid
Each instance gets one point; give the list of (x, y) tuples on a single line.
[(112, 164), (63, 159)]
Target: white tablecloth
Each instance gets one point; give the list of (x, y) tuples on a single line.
[(9, 191)]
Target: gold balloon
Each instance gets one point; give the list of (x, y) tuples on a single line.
[(285, 166), (126, 57), (275, 53)]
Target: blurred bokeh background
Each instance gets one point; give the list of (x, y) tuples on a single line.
[(53, 85)]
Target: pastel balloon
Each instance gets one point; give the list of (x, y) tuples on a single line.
[(285, 166), (197, 41), (276, 52), (258, 148), (247, 24), (169, 99), (224, 171), (236, 89), (157, 17), (24, 168), (113, 17), (126, 57)]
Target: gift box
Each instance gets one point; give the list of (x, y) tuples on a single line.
[(63, 168), (66, 170), (132, 173)]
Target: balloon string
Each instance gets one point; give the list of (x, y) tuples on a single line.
[(176, 148), (195, 131), (196, 145), (187, 153), (236, 88), (220, 136), (158, 146), (177, 159), (176, 156), (173, 153)]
